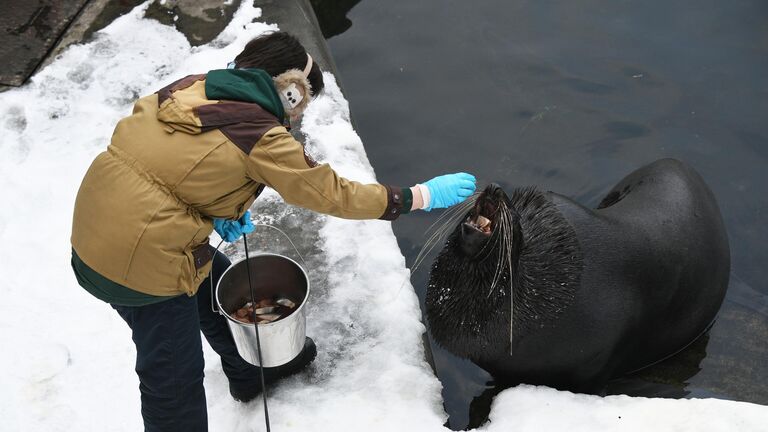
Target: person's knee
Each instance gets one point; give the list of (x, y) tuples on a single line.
[(170, 375)]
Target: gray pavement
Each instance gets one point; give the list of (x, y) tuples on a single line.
[(29, 30), (36, 31)]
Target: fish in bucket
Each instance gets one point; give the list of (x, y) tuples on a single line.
[(280, 290)]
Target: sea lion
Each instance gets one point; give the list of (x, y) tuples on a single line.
[(590, 294)]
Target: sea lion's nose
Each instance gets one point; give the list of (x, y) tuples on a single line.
[(494, 190)]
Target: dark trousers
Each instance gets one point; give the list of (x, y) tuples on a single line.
[(169, 356)]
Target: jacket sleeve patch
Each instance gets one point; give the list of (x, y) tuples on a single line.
[(242, 123), (229, 112), (165, 92), (245, 135), (395, 203)]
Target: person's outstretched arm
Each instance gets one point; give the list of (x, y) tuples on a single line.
[(279, 161)]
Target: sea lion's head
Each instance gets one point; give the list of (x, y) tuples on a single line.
[(490, 221), (468, 298), (501, 251)]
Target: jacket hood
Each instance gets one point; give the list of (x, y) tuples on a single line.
[(198, 103), (245, 85)]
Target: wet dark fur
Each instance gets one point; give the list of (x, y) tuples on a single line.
[(597, 293), (546, 271)]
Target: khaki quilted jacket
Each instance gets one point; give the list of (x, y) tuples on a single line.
[(144, 210)]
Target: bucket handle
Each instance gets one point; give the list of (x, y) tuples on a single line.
[(214, 307)]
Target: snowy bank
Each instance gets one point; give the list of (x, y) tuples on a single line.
[(537, 409), (68, 358)]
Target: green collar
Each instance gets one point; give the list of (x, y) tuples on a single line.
[(246, 85)]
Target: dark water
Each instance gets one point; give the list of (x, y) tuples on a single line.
[(572, 96)]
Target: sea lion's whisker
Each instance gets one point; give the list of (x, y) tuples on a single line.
[(505, 253), (510, 239), (469, 202), (499, 269), (497, 272), (437, 230), (443, 226), (433, 241), (454, 214), (439, 234), (441, 231), (495, 237)]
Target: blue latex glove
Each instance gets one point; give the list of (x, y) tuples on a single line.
[(246, 226), (231, 230), (227, 229), (449, 189)]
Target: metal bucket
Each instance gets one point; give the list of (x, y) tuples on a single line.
[(273, 276)]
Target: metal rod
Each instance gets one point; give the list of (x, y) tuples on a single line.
[(214, 308), (256, 326)]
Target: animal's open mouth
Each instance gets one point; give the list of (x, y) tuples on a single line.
[(481, 218)]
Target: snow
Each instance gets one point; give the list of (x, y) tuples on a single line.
[(529, 408), (68, 358)]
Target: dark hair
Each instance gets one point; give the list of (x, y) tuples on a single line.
[(276, 53)]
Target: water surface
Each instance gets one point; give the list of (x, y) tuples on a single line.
[(571, 97)]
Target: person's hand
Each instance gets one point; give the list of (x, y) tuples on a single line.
[(246, 226), (231, 230), (449, 189), (227, 229)]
